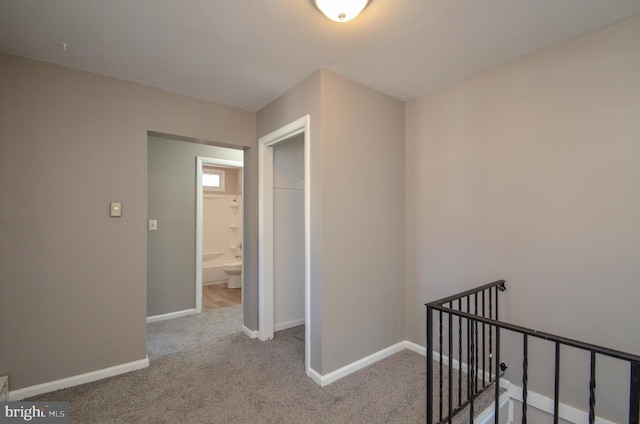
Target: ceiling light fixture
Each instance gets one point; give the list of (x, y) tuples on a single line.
[(341, 10)]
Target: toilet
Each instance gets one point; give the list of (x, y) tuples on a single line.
[(234, 272)]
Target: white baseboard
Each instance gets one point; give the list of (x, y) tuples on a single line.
[(251, 333), (290, 324), (315, 376), (171, 315), (51, 386), (487, 416), (416, 348), (545, 404), (456, 365), (333, 376)]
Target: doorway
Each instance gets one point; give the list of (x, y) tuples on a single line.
[(267, 204), (214, 258), (172, 209)]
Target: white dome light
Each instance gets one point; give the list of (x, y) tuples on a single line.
[(341, 10)]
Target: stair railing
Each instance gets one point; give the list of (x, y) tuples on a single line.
[(474, 314)]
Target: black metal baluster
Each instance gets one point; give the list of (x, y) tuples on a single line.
[(475, 333), (499, 288), (469, 359), (471, 376), (468, 349), (429, 365), (450, 365), (491, 335), (592, 390), (460, 354), (496, 405), (525, 377), (484, 345), (440, 385), (497, 393), (634, 394), (556, 389)]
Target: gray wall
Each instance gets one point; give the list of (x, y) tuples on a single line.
[(529, 172), (171, 200), (288, 229), (71, 142), (363, 221), (301, 100), (357, 215)]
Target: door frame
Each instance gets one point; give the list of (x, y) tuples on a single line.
[(265, 229), (201, 160)]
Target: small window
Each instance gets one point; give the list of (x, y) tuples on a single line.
[(213, 180)]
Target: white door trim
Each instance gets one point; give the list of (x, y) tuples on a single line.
[(265, 232), (201, 160)]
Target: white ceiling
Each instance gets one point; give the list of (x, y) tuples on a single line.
[(245, 53)]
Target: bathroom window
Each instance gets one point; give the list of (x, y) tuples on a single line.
[(213, 179)]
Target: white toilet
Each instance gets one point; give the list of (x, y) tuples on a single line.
[(234, 272)]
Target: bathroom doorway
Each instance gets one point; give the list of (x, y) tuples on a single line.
[(284, 187), (219, 219), (175, 222)]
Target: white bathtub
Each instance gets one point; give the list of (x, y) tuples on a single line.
[(212, 271)]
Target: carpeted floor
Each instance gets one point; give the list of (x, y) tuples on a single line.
[(203, 370)]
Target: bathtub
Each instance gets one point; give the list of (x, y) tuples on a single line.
[(212, 271)]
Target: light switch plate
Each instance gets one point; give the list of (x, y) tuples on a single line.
[(153, 224), (116, 209)]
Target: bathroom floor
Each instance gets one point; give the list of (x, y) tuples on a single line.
[(218, 296)]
